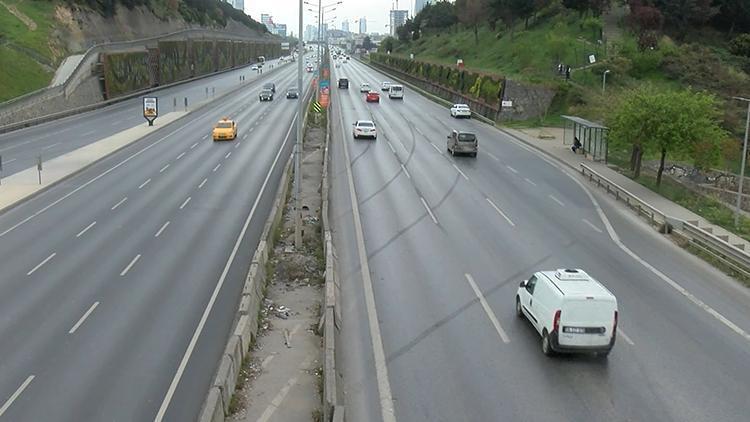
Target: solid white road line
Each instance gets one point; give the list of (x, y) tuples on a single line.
[(492, 156), (228, 154), (10, 161), (266, 361), (598, 230), (91, 132), (276, 402), (429, 211), (185, 203), (164, 226), (512, 169), (144, 183), (199, 329), (164, 168), (217, 167), (119, 203), (406, 172), (459, 170), (529, 181), (203, 183), (194, 145), (625, 336), (83, 318), (381, 368), (46, 260), (51, 145), (180, 156), (15, 395), (436, 148), (390, 145), (499, 211), (83, 186), (81, 233), (125, 271), (488, 310), (556, 200)]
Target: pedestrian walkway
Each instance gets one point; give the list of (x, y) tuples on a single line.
[(550, 141)]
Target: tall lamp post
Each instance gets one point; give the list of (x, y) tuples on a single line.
[(604, 80), (744, 157), (298, 144)]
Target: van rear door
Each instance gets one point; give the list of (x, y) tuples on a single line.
[(587, 321)]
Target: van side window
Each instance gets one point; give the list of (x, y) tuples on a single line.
[(531, 284)]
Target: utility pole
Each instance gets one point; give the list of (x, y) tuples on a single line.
[(604, 80), (298, 144), (742, 169)]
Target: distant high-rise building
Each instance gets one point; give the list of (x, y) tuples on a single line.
[(362, 25), (419, 5), (398, 18), (311, 33), (237, 4), (281, 29), (267, 20), (345, 26)]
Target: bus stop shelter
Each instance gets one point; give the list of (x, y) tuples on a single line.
[(593, 136)]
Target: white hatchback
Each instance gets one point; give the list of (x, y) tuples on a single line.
[(365, 87), (365, 128), (460, 110)]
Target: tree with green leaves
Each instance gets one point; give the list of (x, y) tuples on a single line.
[(472, 13), (681, 124)]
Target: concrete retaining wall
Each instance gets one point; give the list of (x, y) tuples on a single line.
[(529, 101)]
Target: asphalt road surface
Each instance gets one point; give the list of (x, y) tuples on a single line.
[(20, 149), (106, 276), (448, 239)]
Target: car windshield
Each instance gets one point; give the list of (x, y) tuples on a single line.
[(224, 125), (396, 88), (461, 106), (466, 137), (266, 92), (365, 124), (269, 86)]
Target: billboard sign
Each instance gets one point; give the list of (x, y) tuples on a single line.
[(150, 109)]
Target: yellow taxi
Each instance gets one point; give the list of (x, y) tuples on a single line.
[(225, 130)]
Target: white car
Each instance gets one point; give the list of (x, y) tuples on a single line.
[(570, 310), (385, 86), (460, 110), (396, 92), (365, 87), (255, 67), (365, 128)]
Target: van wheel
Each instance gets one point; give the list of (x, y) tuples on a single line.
[(546, 346), (474, 154), (519, 311), (602, 355)]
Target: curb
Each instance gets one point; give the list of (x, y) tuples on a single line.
[(219, 396), (34, 195)]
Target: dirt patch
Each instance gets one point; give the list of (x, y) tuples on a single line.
[(23, 18)]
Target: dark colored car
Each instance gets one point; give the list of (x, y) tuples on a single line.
[(292, 93), (266, 95), (343, 83), (271, 86)]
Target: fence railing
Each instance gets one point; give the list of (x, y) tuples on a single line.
[(721, 249)]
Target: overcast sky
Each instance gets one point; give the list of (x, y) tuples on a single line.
[(286, 11)]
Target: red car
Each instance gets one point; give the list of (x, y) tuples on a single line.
[(373, 97)]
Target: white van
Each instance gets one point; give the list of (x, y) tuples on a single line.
[(570, 310), (396, 91)]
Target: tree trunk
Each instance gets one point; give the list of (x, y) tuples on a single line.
[(638, 159), (661, 167), (633, 155), (476, 34), (526, 23)]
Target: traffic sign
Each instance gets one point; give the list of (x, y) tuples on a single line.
[(316, 107)]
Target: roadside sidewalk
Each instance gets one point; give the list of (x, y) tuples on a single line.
[(551, 143)]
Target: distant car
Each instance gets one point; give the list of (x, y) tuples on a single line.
[(255, 67), (338, 65), (225, 130), (292, 93), (365, 128), (460, 110), (365, 87), (570, 310), (271, 86), (373, 97), (385, 86), (462, 143), (266, 95), (343, 83), (396, 92)]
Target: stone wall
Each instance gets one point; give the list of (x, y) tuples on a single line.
[(528, 101)]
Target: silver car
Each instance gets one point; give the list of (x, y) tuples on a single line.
[(463, 143)]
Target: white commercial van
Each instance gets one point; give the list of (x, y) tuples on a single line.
[(396, 91), (570, 310)]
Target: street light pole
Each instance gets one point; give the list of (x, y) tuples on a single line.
[(298, 144), (604, 80), (742, 169)]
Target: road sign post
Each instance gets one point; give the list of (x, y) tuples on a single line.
[(150, 109), (39, 167)]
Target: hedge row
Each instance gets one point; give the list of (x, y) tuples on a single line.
[(480, 87)]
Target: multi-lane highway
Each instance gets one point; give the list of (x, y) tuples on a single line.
[(106, 278), (20, 149), (429, 325)]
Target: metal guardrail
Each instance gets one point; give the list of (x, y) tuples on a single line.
[(729, 254)]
